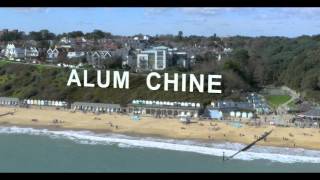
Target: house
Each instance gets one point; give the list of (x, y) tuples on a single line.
[(31, 53), (12, 52), (65, 40), (180, 59), (164, 108), (75, 54), (152, 59), (95, 58), (227, 50), (96, 107), (52, 54)]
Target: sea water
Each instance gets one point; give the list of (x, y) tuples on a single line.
[(41, 150)]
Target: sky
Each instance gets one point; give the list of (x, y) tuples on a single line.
[(289, 22)]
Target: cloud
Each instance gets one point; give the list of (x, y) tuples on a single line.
[(287, 13), (156, 11), (207, 11), (31, 10)]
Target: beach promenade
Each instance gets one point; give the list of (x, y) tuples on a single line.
[(206, 130)]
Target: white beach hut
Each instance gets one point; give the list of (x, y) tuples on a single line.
[(244, 115)]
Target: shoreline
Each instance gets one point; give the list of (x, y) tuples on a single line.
[(269, 153), (201, 131)]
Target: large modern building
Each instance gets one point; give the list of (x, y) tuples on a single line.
[(152, 59), (164, 108), (161, 57)]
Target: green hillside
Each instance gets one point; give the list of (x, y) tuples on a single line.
[(36, 81)]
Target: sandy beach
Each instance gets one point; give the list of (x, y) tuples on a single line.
[(308, 138)]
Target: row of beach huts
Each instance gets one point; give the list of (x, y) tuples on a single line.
[(216, 110)]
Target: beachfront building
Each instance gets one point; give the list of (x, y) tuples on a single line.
[(96, 107), (229, 109), (258, 103), (9, 101), (164, 108), (310, 118)]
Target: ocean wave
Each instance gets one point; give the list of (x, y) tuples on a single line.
[(275, 154)]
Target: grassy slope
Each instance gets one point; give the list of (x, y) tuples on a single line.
[(37, 81), (277, 100)]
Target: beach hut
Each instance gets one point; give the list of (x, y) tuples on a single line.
[(195, 115), (238, 114), (215, 114), (244, 115)]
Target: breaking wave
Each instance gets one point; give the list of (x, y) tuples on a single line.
[(275, 154)]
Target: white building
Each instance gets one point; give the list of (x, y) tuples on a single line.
[(152, 59), (52, 53), (65, 40), (31, 52), (12, 52), (75, 54)]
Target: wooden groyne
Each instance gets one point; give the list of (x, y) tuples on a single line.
[(8, 113), (249, 146)]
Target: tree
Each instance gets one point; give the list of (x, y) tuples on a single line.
[(12, 36), (42, 35), (98, 34), (75, 34)]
